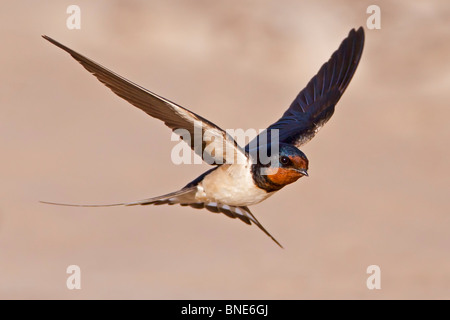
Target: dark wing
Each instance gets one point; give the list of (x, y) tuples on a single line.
[(202, 133), (314, 105)]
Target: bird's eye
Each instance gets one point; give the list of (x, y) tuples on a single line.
[(285, 160)]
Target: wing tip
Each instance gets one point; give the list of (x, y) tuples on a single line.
[(360, 30), (358, 36), (46, 37), (58, 44), (357, 32)]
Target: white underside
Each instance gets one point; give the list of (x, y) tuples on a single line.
[(231, 185)]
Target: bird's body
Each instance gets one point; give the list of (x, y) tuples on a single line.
[(247, 179), (231, 184)]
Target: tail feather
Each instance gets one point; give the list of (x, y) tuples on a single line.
[(242, 213), (185, 194), (186, 197), (256, 222)]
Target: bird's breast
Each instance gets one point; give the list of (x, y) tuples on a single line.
[(232, 185)]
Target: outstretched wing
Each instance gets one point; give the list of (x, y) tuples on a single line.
[(207, 140), (314, 105)]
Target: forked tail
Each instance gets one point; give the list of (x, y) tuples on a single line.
[(186, 197)]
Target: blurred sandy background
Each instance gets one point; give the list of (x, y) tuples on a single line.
[(378, 191)]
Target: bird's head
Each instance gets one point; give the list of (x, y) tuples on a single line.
[(284, 167)]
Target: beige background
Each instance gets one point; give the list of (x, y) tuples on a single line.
[(379, 171)]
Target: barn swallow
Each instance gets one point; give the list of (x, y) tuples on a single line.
[(230, 187)]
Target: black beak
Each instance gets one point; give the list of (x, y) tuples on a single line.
[(303, 172)]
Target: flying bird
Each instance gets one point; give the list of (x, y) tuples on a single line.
[(238, 178)]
